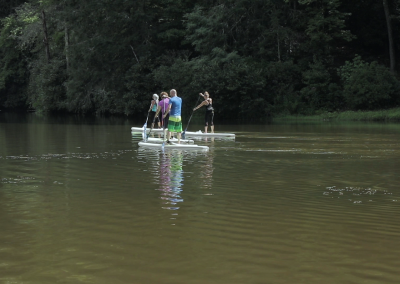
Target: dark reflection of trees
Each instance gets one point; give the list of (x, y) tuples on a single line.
[(171, 179)]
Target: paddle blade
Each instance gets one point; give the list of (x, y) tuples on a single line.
[(163, 146), (144, 132), (148, 134)]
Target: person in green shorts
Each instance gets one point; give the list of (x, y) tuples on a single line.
[(174, 111)]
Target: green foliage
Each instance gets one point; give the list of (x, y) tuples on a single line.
[(257, 28), (377, 115), (140, 85), (234, 84), (7, 7), (283, 82), (257, 58), (368, 86), (13, 65), (46, 88), (320, 92)]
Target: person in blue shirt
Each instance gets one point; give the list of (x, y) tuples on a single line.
[(174, 111)]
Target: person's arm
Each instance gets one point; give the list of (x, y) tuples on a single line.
[(200, 105), (168, 110), (201, 95), (158, 110), (151, 106)]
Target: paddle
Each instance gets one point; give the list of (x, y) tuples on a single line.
[(163, 121), (152, 125), (145, 126), (183, 133)]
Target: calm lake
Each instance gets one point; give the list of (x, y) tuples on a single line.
[(288, 203)]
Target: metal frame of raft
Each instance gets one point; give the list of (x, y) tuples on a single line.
[(174, 140), (187, 133), (173, 146)]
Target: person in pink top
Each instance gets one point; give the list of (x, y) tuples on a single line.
[(163, 106)]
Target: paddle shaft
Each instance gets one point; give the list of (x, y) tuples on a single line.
[(147, 118), (163, 121), (145, 125), (183, 134)]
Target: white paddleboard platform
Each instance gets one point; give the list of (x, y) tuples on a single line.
[(140, 129), (173, 146), (188, 133), (174, 140), (203, 134)]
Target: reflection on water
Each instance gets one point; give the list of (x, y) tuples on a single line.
[(168, 173), (171, 178), (82, 203), (206, 174), (358, 195)]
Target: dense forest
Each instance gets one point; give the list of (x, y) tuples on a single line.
[(256, 58)]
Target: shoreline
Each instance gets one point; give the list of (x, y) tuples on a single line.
[(389, 115)]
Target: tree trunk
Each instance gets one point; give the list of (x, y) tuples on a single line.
[(390, 36), (45, 40)]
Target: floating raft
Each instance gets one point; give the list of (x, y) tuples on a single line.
[(173, 146), (188, 133), (174, 140), (140, 129), (202, 134)]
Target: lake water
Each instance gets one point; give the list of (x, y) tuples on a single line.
[(80, 202)]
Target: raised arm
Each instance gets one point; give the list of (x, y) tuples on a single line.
[(200, 105)]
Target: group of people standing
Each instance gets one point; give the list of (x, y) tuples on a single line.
[(170, 108)]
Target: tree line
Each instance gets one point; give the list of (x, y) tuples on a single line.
[(257, 58)]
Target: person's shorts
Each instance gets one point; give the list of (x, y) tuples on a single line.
[(164, 122), (153, 117), (175, 124)]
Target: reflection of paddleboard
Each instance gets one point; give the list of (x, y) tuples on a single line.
[(173, 146), (175, 140), (202, 134)]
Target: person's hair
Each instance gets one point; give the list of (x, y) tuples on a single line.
[(206, 93), (163, 94), (155, 97), (173, 91)]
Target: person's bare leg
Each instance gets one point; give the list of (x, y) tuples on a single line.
[(179, 137), (205, 129), (212, 128)]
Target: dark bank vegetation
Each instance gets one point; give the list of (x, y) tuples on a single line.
[(257, 58)]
